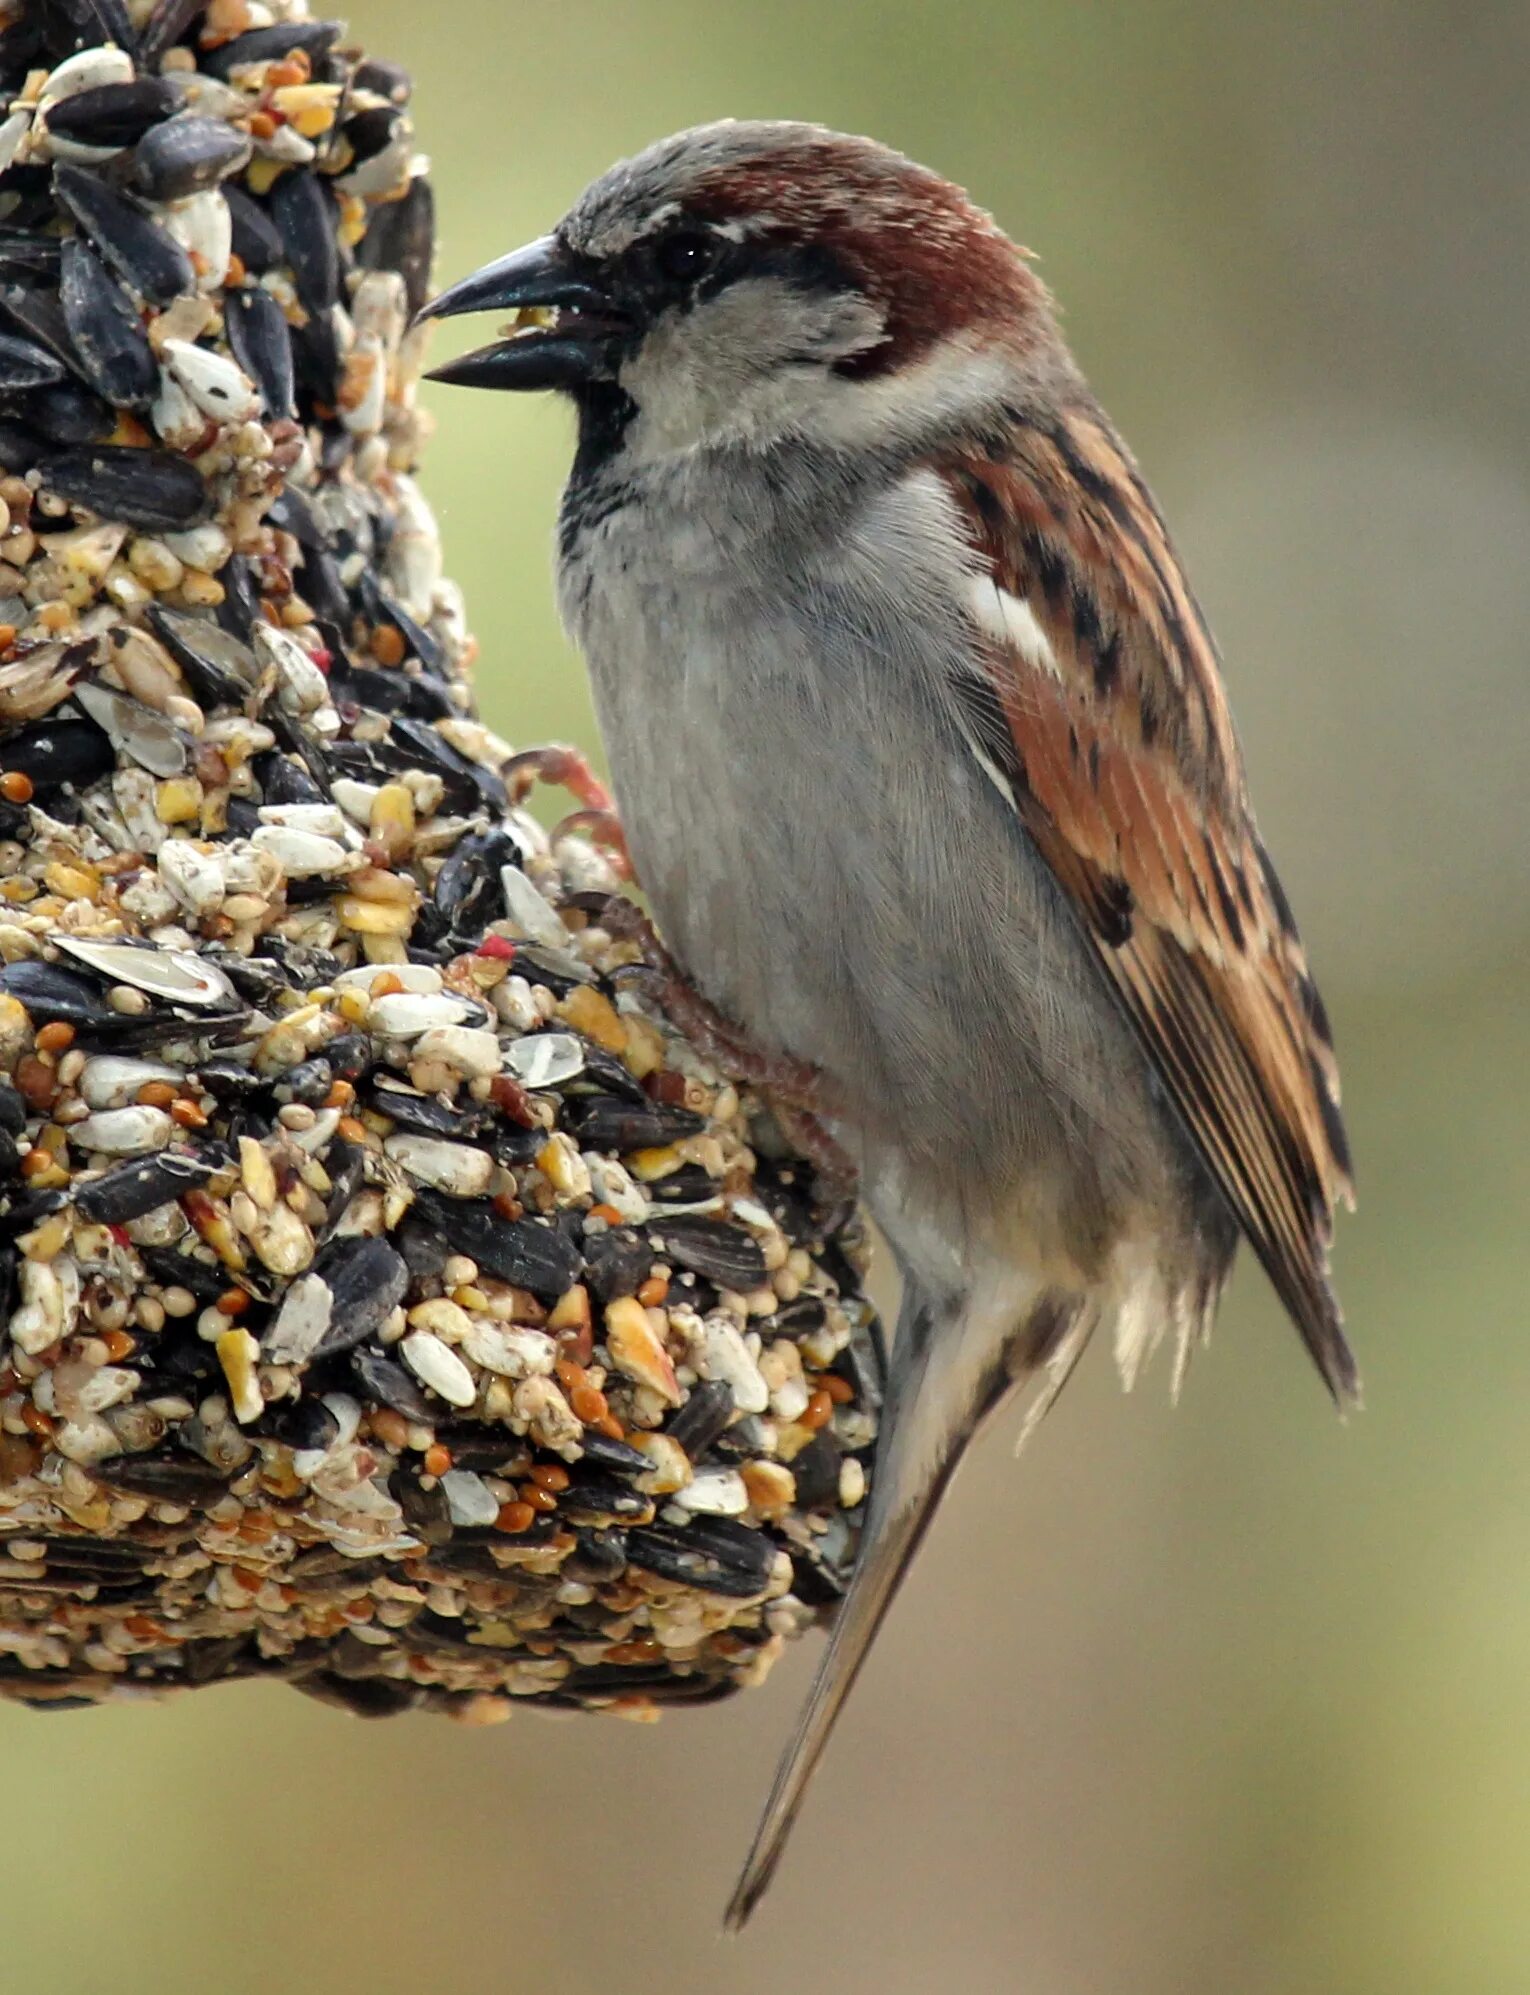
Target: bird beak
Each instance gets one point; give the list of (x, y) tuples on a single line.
[(565, 328)]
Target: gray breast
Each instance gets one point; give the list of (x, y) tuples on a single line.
[(826, 857)]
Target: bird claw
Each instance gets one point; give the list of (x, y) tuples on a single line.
[(604, 828), (792, 1088), (563, 768)]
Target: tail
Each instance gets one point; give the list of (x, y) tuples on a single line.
[(947, 1376)]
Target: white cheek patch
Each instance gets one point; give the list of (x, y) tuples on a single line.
[(1009, 618)]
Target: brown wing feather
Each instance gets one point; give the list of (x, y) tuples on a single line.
[(1127, 775)]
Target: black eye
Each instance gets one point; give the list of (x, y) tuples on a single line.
[(686, 255)]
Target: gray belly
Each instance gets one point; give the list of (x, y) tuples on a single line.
[(833, 869)]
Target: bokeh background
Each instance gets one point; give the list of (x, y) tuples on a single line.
[(1219, 1698)]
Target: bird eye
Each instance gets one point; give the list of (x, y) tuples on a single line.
[(686, 255)]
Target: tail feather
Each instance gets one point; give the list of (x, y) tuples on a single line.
[(911, 1477)]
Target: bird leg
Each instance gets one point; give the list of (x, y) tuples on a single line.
[(567, 768), (794, 1089)]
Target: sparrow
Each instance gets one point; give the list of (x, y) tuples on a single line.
[(923, 756)]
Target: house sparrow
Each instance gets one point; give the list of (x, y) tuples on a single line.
[(925, 762)]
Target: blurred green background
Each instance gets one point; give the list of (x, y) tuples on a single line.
[(1222, 1700)]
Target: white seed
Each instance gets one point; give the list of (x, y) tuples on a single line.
[(202, 225), (112, 1081), (319, 820), (509, 1349), (545, 1059), (301, 687), (529, 912), (715, 1493), (219, 386), (455, 1168), (301, 1322), (418, 978), (180, 423), (90, 69), (469, 1499), (725, 1356), (302, 855), (406, 1014), (470, 1050), (356, 799), (206, 547), (124, 1132), (194, 877), (435, 1365)]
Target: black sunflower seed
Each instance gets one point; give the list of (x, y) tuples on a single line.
[(531, 1253), (369, 131), (67, 412), (603, 1123), (20, 448), (38, 313), (24, 254), (304, 1423), (137, 248), (601, 1452), (220, 668), (148, 488), (705, 1415), (13, 1109), (165, 1474), (129, 1190), (310, 38), (304, 213), (187, 155), (593, 1498), (712, 1553), (283, 781), (257, 241), (109, 338), (722, 1253), (166, 26), (115, 114), (401, 237), (257, 332), (816, 1469), (23, 364), (71, 25), (382, 1379), (617, 1262), (49, 992), (384, 79), (366, 1280)]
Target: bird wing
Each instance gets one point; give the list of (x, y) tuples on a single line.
[(1098, 708)]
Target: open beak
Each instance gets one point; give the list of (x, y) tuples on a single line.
[(564, 332)]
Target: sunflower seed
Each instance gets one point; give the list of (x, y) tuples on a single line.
[(302, 211), (154, 743), (214, 382), (129, 1190), (25, 365), (311, 38), (437, 1366), (545, 1059), (109, 339), (124, 1132), (187, 156), (257, 331), (114, 115), (454, 1168), (147, 488), (172, 974)]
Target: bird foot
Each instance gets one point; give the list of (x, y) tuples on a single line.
[(568, 768), (604, 828), (794, 1089)]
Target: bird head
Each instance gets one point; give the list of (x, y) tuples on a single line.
[(745, 283)]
